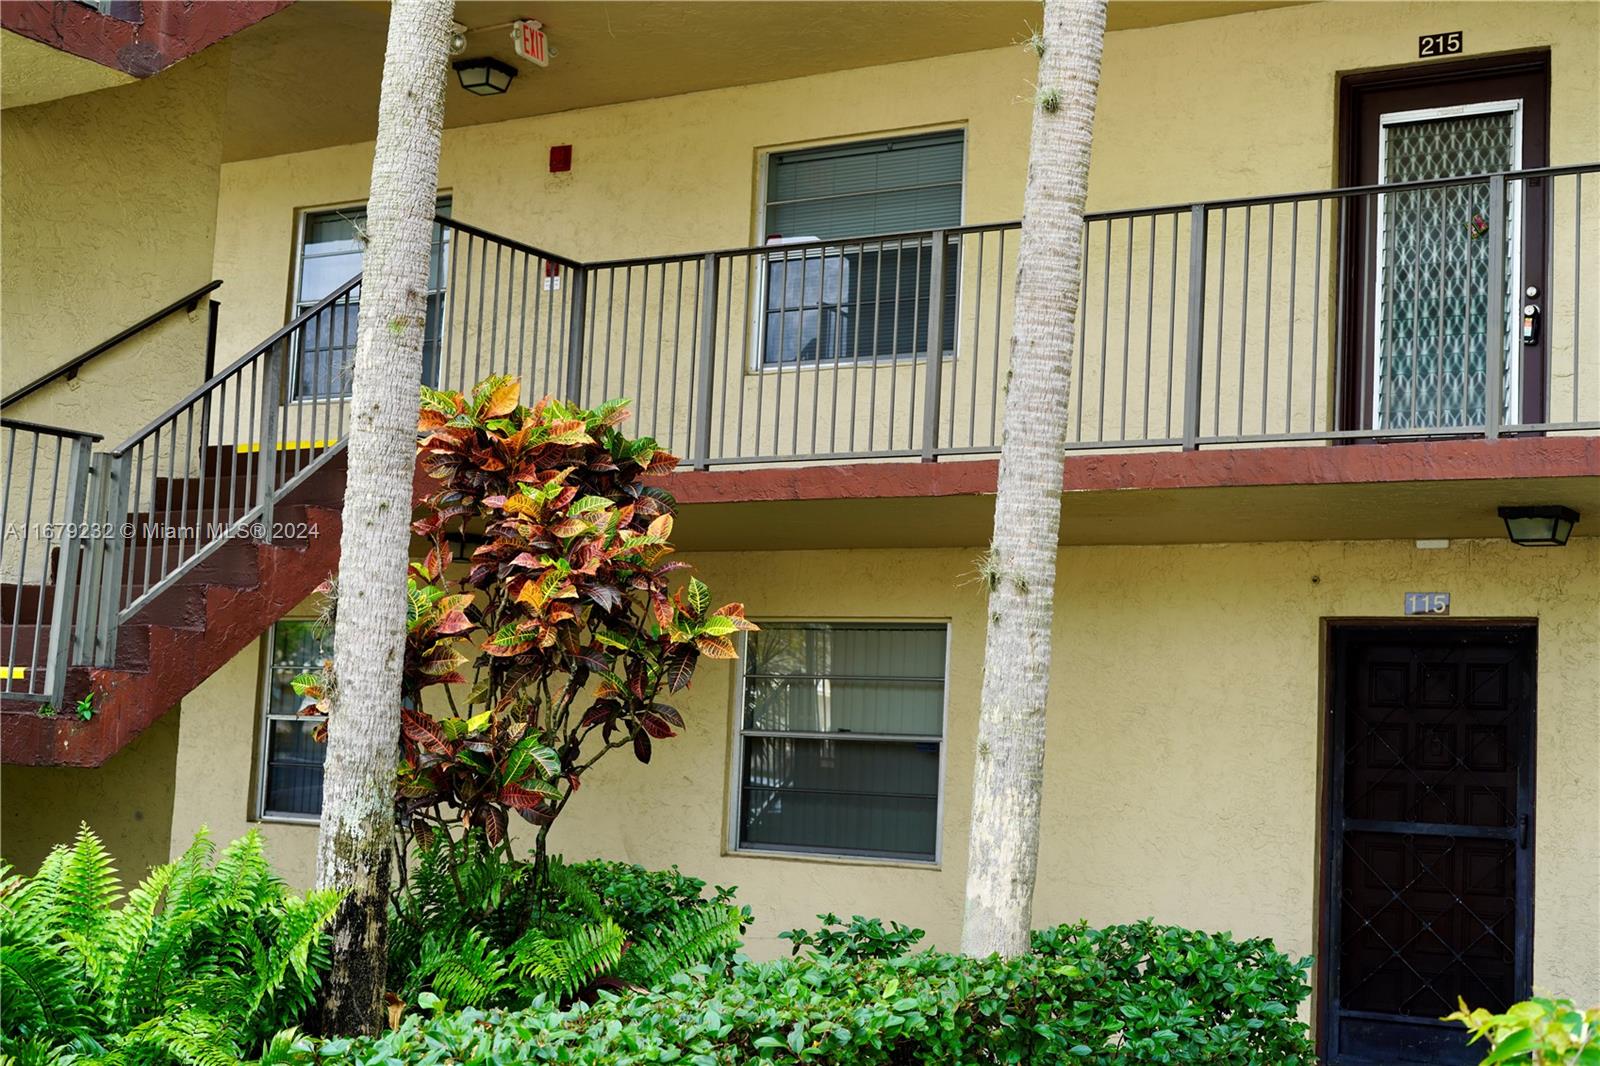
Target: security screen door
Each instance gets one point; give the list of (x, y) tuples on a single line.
[(1436, 265), (1428, 857), (1430, 262)]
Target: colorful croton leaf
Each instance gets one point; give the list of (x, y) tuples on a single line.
[(547, 604)]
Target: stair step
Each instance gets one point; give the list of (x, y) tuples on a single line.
[(25, 603), (213, 612)]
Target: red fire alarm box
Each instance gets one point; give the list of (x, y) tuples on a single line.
[(560, 158)]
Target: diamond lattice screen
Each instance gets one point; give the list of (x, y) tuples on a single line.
[(1436, 271)]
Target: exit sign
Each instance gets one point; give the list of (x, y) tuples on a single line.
[(531, 43)]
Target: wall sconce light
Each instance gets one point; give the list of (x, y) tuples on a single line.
[(1539, 527), (484, 76)]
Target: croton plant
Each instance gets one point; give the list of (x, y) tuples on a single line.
[(548, 608)]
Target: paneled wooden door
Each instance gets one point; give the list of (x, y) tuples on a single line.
[(1428, 863)]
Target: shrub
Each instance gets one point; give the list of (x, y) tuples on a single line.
[(565, 630), (471, 928), (641, 899), (1113, 997), (863, 938), (1540, 1032), (202, 963)]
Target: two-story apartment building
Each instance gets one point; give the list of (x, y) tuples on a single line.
[(1341, 307)]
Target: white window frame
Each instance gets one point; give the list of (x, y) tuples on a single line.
[(736, 770), (1512, 385), (756, 361), (265, 718), (444, 199)]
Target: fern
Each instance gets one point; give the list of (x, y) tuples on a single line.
[(573, 890), (477, 930), (691, 938), (42, 983), (202, 963), (561, 966), (467, 971)]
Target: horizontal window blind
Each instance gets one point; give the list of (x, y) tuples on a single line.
[(861, 301), (841, 734), (855, 190)]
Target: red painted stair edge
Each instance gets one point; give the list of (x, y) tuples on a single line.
[(128, 700)]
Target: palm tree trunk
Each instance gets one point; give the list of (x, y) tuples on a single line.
[(369, 640), (1003, 854)]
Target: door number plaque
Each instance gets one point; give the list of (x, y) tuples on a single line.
[(1430, 45), (1428, 603)]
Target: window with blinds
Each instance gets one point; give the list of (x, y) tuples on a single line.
[(841, 738), (331, 244), (859, 299), (291, 759)]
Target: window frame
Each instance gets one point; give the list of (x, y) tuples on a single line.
[(731, 844), (444, 203), (756, 361), (264, 720)]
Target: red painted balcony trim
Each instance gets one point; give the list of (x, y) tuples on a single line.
[(1444, 460), (166, 33)]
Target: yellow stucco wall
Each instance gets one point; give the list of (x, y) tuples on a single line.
[(109, 210), (1226, 107), (128, 802), (1183, 766), (105, 194)]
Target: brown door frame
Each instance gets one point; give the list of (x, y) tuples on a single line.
[(1361, 98), (1334, 632)]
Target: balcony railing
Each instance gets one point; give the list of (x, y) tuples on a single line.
[(1371, 313), (1360, 313), (46, 481)]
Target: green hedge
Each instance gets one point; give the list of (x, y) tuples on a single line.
[(1128, 994)]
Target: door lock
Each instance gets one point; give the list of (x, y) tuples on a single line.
[(1530, 323)]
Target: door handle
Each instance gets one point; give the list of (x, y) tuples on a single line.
[(1522, 832), (1530, 323)]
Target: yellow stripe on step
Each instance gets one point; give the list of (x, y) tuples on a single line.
[(283, 446), (13, 673)]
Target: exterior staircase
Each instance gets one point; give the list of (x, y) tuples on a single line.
[(186, 632), (224, 513)]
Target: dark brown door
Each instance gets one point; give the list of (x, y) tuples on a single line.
[(1418, 286), (1429, 853)]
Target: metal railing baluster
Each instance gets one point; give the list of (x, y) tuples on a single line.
[(705, 359), (59, 654), (575, 324), (1193, 354), (934, 370), (1495, 339), (266, 455)]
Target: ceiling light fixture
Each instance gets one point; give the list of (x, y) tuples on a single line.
[(484, 76), (1546, 526)]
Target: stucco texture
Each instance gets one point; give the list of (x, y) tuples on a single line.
[(109, 210), (1183, 770), (682, 174), (128, 802)]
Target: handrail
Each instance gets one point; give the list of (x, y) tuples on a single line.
[(70, 368), (54, 431), (830, 243), (1345, 192), (206, 386), (483, 234)]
